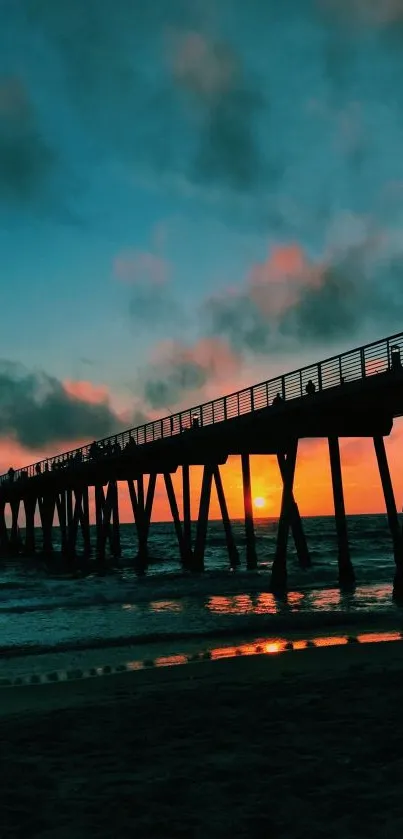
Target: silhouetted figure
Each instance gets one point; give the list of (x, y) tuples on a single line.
[(38, 469), (195, 422), (46, 466), (131, 446), (11, 474), (310, 388), (278, 399), (93, 451), (395, 358)]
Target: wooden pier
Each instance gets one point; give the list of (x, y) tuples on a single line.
[(356, 394)]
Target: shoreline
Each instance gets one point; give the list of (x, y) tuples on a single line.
[(291, 624), (323, 663), (264, 745), (82, 664)]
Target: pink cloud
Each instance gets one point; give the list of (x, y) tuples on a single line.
[(141, 266), (276, 284), (211, 355), (87, 392)]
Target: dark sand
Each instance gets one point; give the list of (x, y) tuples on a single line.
[(307, 744)]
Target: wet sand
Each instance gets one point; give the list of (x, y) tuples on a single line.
[(302, 745)]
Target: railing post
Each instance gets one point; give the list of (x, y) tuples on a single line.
[(283, 387), (319, 377), (362, 359)]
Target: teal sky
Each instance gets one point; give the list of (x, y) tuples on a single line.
[(152, 155)]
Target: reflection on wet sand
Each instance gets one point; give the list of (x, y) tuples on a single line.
[(267, 646), (375, 637)]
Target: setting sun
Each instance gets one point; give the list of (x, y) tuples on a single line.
[(259, 502)]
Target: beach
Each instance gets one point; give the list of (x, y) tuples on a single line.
[(177, 705), (307, 744)]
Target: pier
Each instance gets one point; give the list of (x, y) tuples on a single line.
[(358, 393)]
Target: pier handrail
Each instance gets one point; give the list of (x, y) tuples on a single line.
[(353, 365)]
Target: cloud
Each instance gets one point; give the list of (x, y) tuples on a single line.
[(370, 12), (291, 299), (86, 391), (26, 159), (37, 410), (154, 307), (141, 266), (177, 370), (211, 73), (194, 117)]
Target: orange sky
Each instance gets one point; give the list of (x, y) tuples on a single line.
[(363, 491), (313, 491)]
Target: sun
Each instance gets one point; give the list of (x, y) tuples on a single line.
[(259, 502)]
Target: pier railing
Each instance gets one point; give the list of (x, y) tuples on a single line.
[(353, 365)]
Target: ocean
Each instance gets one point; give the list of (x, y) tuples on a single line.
[(42, 610)]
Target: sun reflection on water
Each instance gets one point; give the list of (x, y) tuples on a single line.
[(166, 606)]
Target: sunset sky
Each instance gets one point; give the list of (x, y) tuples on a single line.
[(195, 195)]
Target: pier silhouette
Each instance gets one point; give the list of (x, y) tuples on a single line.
[(358, 393)]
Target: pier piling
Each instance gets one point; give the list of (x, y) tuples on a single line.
[(279, 567), (391, 510), (251, 556), (346, 570)]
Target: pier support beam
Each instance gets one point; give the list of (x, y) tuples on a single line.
[(297, 529), (115, 542), (4, 540), (202, 522), (30, 507), (107, 521), (142, 511), (77, 508), (85, 521), (187, 520), (391, 510), (279, 568), (251, 556), (61, 507), (14, 534), (99, 524), (47, 510), (233, 553), (184, 557), (346, 570)]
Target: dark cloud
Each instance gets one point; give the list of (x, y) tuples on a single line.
[(213, 75), (106, 52), (154, 307), (36, 410), (180, 368), (351, 293), (168, 383), (26, 159)]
